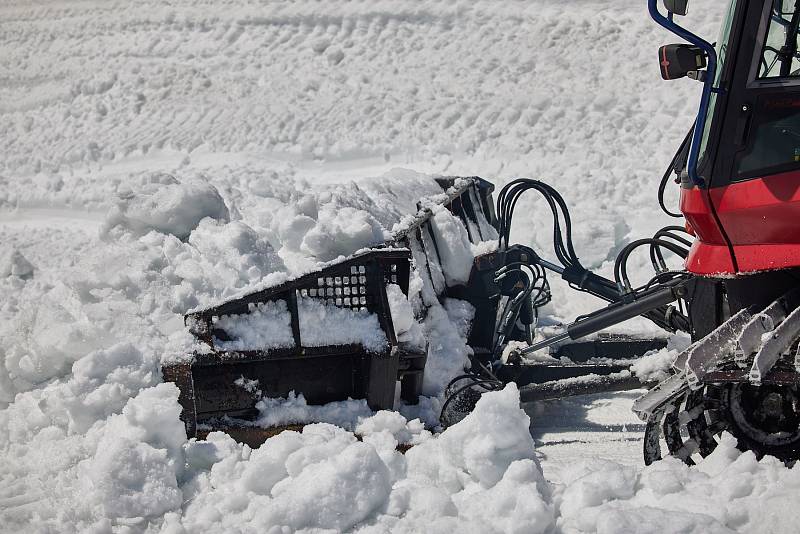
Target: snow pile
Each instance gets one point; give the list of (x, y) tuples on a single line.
[(139, 461), (405, 325), (453, 246), (341, 231), (134, 290), (310, 221), (48, 335), (13, 263), (169, 206), (102, 444), (320, 478), (728, 491), (294, 410), (325, 324), (221, 259), (446, 328), (174, 134), (267, 326), (479, 475), (72, 469)]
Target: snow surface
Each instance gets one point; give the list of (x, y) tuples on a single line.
[(267, 326), (159, 157), (326, 324)]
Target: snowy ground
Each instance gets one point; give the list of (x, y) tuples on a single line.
[(159, 156)]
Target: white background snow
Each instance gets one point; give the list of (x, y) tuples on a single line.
[(158, 156)]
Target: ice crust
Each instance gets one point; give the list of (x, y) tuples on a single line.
[(159, 158)]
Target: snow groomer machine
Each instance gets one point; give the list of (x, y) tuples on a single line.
[(737, 296)]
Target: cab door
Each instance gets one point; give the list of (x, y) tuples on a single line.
[(754, 187)]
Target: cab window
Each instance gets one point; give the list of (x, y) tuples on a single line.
[(773, 143), (779, 54)]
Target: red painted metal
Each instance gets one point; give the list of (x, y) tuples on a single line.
[(710, 254), (760, 217), (707, 259)]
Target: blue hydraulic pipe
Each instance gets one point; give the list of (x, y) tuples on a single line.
[(708, 83)]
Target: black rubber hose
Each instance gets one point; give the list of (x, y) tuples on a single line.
[(620, 265), (506, 204), (656, 258), (679, 155)]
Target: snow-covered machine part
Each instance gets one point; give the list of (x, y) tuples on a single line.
[(327, 334), (330, 334)]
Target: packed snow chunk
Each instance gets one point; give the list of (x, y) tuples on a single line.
[(140, 457), (402, 312), (452, 245), (50, 333), (322, 478), (337, 492), (221, 259), (326, 324), (592, 483), (340, 231), (479, 475), (267, 326), (405, 325), (165, 204), (295, 410), (104, 380), (652, 520), (267, 465), (13, 263), (655, 365), (392, 423), (446, 329), (480, 447), (519, 503)]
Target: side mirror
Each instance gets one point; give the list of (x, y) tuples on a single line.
[(679, 60), (678, 7)]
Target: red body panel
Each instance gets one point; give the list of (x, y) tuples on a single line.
[(760, 217), (710, 253)]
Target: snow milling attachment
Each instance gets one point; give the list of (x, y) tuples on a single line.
[(742, 378), (347, 330)]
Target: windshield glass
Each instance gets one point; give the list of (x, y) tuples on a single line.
[(722, 53), (779, 55)]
